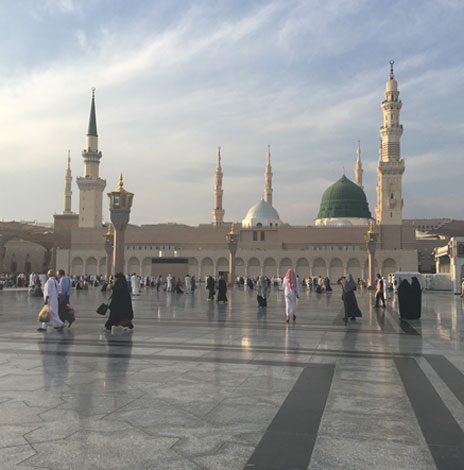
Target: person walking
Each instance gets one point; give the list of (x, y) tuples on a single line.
[(50, 295), (386, 288), (379, 291), (349, 299), (291, 293), (135, 285), (65, 295), (222, 289), (121, 312), (262, 285), (169, 283), (188, 284), (210, 285)]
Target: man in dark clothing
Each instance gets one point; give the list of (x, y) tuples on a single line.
[(379, 291)]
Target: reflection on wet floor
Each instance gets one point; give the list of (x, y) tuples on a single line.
[(204, 385)]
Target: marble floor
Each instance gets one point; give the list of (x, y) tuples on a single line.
[(201, 385)]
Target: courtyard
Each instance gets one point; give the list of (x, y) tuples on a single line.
[(201, 385)]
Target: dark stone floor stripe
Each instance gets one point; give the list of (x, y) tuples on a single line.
[(449, 373), (442, 433), (289, 440)]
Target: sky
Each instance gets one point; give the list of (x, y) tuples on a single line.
[(175, 79)]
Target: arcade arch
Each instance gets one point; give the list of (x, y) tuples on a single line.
[(254, 267), (146, 267), (336, 269), (302, 267), (91, 266), (133, 266), (319, 267), (285, 265), (207, 267), (388, 266), (239, 267), (270, 267), (353, 267), (77, 266), (193, 267)]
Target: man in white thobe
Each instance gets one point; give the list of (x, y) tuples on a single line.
[(135, 285), (386, 287), (188, 284), (50, 293), (169, 283)]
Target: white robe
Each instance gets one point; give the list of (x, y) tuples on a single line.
[(290, 299), (51, 290), (169, 283), (188, 284), (135, 285)]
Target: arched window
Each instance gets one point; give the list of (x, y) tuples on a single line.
[(255, 236), (262, 236)]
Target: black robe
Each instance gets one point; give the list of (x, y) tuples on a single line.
[(210, 287), (121, 312), (351, 305), (222, 289), (410, 299)]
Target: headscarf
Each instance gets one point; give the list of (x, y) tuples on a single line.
[(349, 284), (290, 279)]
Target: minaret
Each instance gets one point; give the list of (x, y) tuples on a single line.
[(391, 166), (268, 178), (91, 186), (359, 169), (67, 188), (218, 211)]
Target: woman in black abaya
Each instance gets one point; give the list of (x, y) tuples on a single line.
[(222, 289), (121, 313), (349, 299)]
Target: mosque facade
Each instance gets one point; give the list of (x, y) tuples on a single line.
[(333, 246)]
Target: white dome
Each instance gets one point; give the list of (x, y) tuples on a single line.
[(262, 214)]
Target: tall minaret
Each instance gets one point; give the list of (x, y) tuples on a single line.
[(91, 186), (268, 178), (359, 169), (391, 166), (67, 187), (218, 211)]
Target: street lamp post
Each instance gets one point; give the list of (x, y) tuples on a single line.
[(232, 242), (109, 238), (371, 244), (120, 207)]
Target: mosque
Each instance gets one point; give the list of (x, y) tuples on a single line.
[(333, 246)]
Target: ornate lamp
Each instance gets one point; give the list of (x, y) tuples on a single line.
[(120, 207), (232, 242), (371, 245)]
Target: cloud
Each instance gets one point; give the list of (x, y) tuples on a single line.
[(173, 83)]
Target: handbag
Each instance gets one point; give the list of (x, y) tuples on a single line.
[(103, 308), (44, 314)]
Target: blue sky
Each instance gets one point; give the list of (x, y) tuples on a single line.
[(175, 79)]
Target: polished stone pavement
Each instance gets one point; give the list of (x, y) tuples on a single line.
[(201, 385)]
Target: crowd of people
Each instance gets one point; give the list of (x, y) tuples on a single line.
[(56, 291)]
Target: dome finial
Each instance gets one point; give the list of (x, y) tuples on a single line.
[(343, 172), (392, 75), (120, 185), (93, 92)]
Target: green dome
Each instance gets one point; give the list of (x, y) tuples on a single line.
[(344, 199)]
